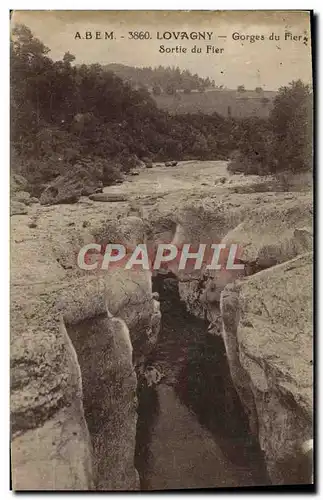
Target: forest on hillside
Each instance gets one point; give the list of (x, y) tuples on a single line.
[(162, 79), (63, 114)]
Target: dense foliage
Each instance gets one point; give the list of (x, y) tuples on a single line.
[(283, 143), (63, 114), (161, 79)]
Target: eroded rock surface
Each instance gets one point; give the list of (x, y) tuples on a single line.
[(267, 329), (59, 443), (50, 446), (269, 231), (52, 296)]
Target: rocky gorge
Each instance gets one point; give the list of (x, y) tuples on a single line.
[(233, 351)]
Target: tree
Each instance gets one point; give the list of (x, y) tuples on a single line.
[(291, 119), (157, 90), (68, 58), (259, 90), (170, 90), (241, 88)]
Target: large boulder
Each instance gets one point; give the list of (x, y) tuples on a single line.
[(109, 399), (274, 234), (148, 162), (59, 193), (268, 335), (68, 188), (23, 197), (17, 208)]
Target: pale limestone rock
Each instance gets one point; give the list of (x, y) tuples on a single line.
[(46, 398), (46, 284), (109, 386), (267, 329), (18, 208), (22, 197), (272, 235), (51, 448), (266, 235)]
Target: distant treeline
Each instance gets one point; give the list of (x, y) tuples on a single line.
[(161, 79), (61, 113)]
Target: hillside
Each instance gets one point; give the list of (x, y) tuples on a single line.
[(84, 127), (64, 115), (180, 92), (224, 102)]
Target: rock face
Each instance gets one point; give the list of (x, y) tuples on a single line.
[(273, 236), (77, 336), (50, 447), (109, 385), (267, 329), (75, 339), (266, 233)]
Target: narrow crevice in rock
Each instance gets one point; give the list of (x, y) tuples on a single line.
[(148, 408), (197, 388)]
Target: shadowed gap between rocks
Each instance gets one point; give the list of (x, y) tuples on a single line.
[(197, 381), (197, 387)]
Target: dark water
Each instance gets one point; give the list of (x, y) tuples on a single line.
[(192, 429)]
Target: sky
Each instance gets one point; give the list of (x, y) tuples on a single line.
[(264, 63)]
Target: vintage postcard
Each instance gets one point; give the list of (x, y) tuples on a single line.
[(161, 250)]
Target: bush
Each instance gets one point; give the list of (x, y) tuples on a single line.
[(127, 162), (157, 90), (236, 164), (111, 173)]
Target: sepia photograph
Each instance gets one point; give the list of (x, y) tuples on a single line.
[(161, 250)]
